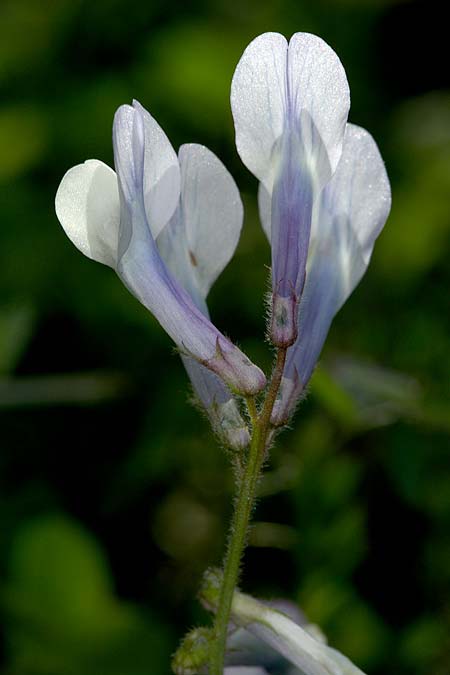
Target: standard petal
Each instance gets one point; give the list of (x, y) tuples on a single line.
[(317, 83), (350, 215), (212, 213), (146, 275), (258, 101), (310, 655), (87, 205), (273, 84)]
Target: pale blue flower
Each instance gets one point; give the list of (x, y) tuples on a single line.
[(290, 104), (324, 195), (168, 225)]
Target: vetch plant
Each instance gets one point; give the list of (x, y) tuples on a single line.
[(169, 224)]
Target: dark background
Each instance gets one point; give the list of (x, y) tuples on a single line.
[(113, 495)]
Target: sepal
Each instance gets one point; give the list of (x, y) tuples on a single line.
[(235, 369), (283, 320), (193, 654), (209, 592)]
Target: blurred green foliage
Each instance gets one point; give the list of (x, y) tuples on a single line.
[(113, 495)]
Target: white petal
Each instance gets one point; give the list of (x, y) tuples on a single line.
[(337, 264), (359, 189), (87, 205), (274, 86), (318, 84), (289, 639), (212, 213), (203, 232), (161, 170), (258, 101), (350, 215)]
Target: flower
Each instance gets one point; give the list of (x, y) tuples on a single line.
[(155, 225), (278, 639), (264, 638), (290, 104), (324, 195)]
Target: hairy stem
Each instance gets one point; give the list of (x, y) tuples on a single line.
[(243, 507)]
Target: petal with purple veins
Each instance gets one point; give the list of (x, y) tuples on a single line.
[(274, 82)]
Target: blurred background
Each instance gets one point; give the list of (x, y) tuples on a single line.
[(114, 497)]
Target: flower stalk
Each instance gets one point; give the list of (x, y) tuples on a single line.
[(244, 504)]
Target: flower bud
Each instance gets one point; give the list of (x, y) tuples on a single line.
[(193, 653)]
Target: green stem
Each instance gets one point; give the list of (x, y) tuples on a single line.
[(243, 508), (252, 410)]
